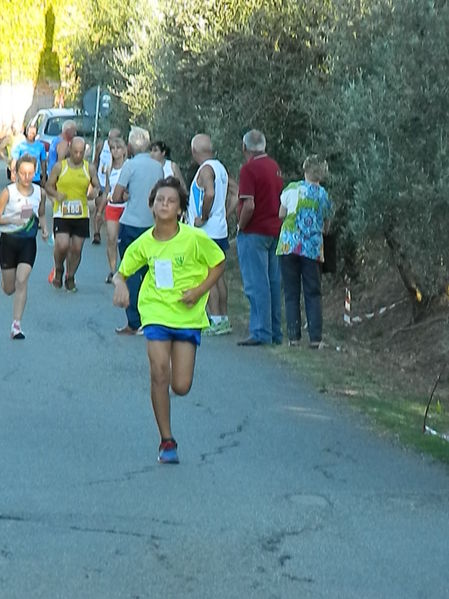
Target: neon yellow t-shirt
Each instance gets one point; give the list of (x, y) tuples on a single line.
[(174, 266)]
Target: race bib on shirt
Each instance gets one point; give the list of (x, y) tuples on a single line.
[(163, 273), (27, 211), (72, 208)]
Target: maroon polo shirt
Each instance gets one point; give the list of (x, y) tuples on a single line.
[(261, 178)]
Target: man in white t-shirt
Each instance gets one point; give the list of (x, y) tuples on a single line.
[(207, 209)]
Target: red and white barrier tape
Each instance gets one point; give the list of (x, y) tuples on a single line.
[(348, 319), (434, 433)]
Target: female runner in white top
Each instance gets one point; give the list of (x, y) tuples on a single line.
[(21, 205), (113, 212)]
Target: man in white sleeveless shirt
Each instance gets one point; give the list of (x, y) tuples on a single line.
[(207, 209)]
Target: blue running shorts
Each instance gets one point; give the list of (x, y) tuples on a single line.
[(158, 332)]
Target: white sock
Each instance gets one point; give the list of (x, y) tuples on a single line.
[(215, 319)]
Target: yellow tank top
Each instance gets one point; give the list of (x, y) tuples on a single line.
[(74, 182)]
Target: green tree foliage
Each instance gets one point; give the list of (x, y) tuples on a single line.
[(132, 65), (226, 67), (387, 133), (104, 28), (22, 34), (36, 36), (362, 82), (49, 63)]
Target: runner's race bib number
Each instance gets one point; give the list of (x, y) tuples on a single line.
[(72, 208), (27, 211), (164, 274)]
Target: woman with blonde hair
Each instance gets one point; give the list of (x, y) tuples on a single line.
[(113, 212)]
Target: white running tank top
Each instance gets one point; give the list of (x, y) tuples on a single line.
[(16, 203), (113, 179), (168, 169), (104, 163), (216, 226)]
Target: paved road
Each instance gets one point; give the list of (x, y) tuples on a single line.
[(280, 493)]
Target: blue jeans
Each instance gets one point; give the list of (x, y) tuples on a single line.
[(126, 236), (259, 267), (296, 269)]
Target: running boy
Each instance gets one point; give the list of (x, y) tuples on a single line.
[(183, 264)]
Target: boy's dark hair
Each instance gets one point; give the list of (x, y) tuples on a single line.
[(26, 158), (174, 183), (162, 147)]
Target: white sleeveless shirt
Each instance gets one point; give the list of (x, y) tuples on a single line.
[(168, 169), (17, 203), (113, 180), (104, 163), (216, 226)]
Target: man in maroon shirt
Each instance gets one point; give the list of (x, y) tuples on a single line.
[(259, 192)]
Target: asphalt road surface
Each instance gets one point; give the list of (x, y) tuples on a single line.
[(280, 493)]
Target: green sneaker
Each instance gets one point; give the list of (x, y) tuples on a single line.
[(70, 285), (220, 328), (225, 328)]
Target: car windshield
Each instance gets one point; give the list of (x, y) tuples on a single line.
[(84, 125)]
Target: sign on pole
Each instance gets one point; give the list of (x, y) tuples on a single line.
[(97, 111), (96, 103)]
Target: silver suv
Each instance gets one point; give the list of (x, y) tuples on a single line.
[(49, 121)]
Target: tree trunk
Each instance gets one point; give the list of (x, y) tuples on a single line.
[(419, 300)]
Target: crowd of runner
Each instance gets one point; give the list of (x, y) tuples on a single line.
[(171, 240)]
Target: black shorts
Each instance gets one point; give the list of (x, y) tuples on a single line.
[(75, 227), (16, 250)]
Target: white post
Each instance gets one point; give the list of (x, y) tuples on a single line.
[(347, 312), (97, 111)]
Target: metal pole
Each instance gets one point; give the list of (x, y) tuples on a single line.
[(97, 110)]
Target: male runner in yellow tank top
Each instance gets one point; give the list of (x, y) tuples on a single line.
[(68, 185)]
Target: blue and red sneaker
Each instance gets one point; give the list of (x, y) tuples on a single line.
[(168, 452)]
